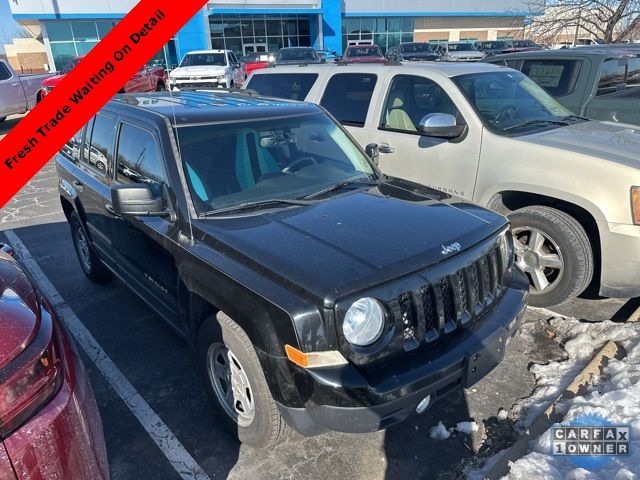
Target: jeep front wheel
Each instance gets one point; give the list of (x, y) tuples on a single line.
[(237, 383), (552, 248)]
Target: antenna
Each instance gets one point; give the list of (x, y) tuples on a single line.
[(177, 134)]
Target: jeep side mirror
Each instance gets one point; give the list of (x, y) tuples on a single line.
[(440, 125), (373, 151), (136, 199)]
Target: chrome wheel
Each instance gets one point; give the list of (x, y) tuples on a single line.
[(539, 256), (231, 384), (82, 247)]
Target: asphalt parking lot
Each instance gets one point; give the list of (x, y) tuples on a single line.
[(162, 370)]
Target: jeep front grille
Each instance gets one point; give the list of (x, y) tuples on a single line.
[(440, 308)]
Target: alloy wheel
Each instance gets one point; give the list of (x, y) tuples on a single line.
[(539, 256), (231, 384), (82, 247)]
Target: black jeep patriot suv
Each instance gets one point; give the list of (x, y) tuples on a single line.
[(317, 292)]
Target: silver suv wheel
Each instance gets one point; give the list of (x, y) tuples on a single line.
[(231, 384), (539, 256)]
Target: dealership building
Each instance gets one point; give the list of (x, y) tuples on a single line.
[(71, 28)]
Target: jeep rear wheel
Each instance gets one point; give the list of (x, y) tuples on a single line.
[(553, 250), (237, 383), (91, 264)]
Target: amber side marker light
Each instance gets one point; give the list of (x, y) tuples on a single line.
[(635, 204), (329, 358)]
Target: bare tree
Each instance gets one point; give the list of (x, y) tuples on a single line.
[(607, 20)]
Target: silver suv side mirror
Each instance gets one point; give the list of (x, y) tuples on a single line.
[(440, 125)]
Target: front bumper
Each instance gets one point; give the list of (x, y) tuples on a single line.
[(348, 400), (620, 260)]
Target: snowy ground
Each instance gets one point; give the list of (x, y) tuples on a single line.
[(614, 396)]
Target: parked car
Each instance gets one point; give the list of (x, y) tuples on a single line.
[(459, 52), (493, 47), (522, 46), (593, 82), (363, 54), (258, 60), (297, 55), (49, 421), (327, 55), (316, 291), (18, 93), (489, 134), (414, 52), (147, 79), (207, 69)]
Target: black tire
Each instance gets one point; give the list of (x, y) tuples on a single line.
[(2, 119), (89, 260), (160, 87), (564, 234), (267, 426)]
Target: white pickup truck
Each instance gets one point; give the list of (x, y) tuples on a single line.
[(491, 135), (18, 93)]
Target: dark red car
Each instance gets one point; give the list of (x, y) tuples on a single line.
[(49, 421), (147, 79), (258, 60), (363, 54)]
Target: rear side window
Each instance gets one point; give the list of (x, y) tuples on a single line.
[(71, 149), (98, 152), (558, 77), (293, 86), (139, 160), (611, 77), (348, 96), (5, 74), (633, 72)]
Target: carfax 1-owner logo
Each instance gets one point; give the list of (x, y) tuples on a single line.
[(590, 441)]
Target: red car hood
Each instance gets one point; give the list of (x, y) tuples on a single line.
[(53, 81)]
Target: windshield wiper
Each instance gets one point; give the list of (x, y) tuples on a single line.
[(539, 122), (575, 118), (257, 204), (340, 186)]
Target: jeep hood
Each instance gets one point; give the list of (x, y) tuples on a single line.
[(198, 70), (349, 242), (609, 141)]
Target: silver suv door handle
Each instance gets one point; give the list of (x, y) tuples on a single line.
[(386, 148)]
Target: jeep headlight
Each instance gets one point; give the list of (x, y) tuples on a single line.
[(364, 322), (506, 249)]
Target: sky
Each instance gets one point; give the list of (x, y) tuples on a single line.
[(8, 27)]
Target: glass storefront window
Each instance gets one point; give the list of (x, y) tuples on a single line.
[(63, 53), (245, 33), (84, 31), (85, 47), (59, 31), (104, 28), (385, 32)]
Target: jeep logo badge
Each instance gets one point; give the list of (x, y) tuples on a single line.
[(452, 247)]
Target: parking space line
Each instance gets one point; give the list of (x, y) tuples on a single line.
[(173, 450)]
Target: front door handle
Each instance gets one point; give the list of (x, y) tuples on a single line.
[(386, 148), (109, 209), (79, 186)]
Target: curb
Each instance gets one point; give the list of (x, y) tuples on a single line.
[(549, 416)]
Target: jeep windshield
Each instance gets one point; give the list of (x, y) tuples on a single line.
[(275, 163), (509, 102), (204, 59)]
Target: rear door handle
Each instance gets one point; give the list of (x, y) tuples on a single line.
[(386, 148), (79, 186)]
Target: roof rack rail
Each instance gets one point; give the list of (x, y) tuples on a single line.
[(342, 63), (240, 91), (392, 63)]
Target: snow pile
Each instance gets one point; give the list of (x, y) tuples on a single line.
[(467, 427), (502, 414), (615, 396), (439, 432)]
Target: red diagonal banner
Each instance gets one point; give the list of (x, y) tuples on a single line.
[(99, 76)]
